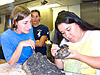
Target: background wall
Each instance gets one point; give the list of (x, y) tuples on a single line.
[(90, 12), (74, 8), (56, 11), (47, 18), (2, 25)]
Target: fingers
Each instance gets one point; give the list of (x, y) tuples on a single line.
[(73, 54), (32, 44), (54, 49), (27, 43)]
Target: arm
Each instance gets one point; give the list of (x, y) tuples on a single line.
[(59, 63), (0, 41), (34, 52), (90, 60), (41, 42), (16, 55), (0, 45)]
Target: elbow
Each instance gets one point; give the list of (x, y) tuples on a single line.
[(60, 67), (59, 63), (39, 45), (97, 67), (11, 63)]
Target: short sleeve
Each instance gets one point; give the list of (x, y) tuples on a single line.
[(32, 35), (95, 44), (45, 31), (7, 47)]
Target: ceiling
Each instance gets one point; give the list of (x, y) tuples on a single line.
[(7, 8)]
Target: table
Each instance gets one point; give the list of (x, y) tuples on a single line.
[(6, 69)]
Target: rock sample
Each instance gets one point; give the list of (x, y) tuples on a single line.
[(38, 64), (62, 52)]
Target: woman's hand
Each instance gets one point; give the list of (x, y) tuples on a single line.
[(29, 42), (58, 62), (74, 54), (54, 49)]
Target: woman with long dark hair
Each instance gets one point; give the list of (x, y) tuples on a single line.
[(82, 39)]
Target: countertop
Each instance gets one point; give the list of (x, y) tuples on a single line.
[(6, 69)]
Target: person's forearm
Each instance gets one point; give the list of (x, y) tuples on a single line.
[(59, 63), (92, 61), (39, 43), (34, 52), (16, 55)]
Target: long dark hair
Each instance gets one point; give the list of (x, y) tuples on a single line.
[(69, 17)]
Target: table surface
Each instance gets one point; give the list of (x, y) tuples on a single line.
[(6, 69)]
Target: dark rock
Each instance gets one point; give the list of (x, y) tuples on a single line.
[(62, 52), (39, 65)]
